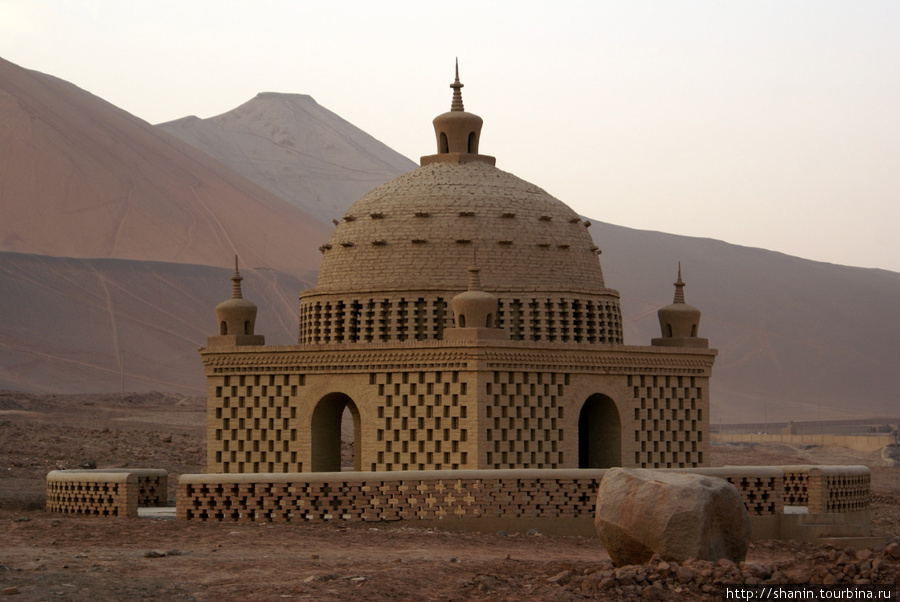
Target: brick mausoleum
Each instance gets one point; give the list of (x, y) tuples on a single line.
[(461, 316)]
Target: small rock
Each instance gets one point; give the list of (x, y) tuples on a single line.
[(173, 553), (502, 533), (653, 592), (9, 591), (892, 551), (558, 577), (154, 554), (684, 574), (21, 519)]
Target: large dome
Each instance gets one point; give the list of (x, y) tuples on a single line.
[(400, 253), (420, 231)]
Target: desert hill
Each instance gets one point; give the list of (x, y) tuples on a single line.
[(82, 178), (297, 149), (77, 321), (797, 339)]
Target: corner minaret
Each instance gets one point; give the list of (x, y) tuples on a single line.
[(476, 311), (458, 132), (236, 318), (679, 322)]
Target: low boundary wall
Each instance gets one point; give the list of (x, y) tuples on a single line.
[(109, 492), (557, 501), (863, 443)]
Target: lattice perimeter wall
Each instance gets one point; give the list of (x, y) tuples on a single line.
[(517, 494), (116, 492)]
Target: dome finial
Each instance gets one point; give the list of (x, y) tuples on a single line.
[(679, 287), (457, 103), (236, 279)]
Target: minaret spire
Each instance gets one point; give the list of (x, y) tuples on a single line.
[(679, 287), (457, 103), (236, 280)]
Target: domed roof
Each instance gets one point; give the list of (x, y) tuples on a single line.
[(399, 255), (416, 232)]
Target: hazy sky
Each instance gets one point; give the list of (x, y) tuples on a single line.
[(773, 124)]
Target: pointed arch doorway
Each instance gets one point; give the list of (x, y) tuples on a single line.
[(325, 433), (599, 433)]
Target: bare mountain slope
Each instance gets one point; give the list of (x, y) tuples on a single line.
[(82, 178), (797, 339), (76, 321), (297, 149)]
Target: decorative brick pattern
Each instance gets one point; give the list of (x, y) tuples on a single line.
[(251, 423), (438, 405), (839, 489), (463, 202), (796, 485), (524, 420), (430, 495), (422, 421), (92, 492), (374, 498), (670, 424), (760, 493), (328, 319)]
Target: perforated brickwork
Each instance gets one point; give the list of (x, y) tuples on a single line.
[(420, 316), (839, 491), (251, 423), (669, 419), (796, 484), (379, 499), (423, 421), (424, 496), (524, 420), (760, 494), (92, 493)]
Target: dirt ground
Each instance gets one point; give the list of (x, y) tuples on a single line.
[(46, 556)]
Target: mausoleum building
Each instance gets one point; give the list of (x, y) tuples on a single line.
[(462, 318)]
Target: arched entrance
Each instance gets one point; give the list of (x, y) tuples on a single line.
[(325, 431), (599, 433)]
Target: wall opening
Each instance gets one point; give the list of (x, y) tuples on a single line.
[(443, 145), (328, 432), (223, 328), (473, 143), (462, 320), (599, 433), (247, 327)]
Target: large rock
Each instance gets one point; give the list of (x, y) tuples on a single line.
[(675, 515)]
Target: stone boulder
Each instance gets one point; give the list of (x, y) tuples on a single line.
[(676, 515)]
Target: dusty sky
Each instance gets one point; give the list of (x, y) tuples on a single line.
[(769, 123)]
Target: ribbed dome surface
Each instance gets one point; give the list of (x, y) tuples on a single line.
[(418, 232)]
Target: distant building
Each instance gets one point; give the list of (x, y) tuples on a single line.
[(461, 316)]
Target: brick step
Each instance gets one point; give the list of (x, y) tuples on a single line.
[(835, 518), (818, 531), (857, 543)]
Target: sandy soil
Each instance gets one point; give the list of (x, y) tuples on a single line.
[(46, 556)]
